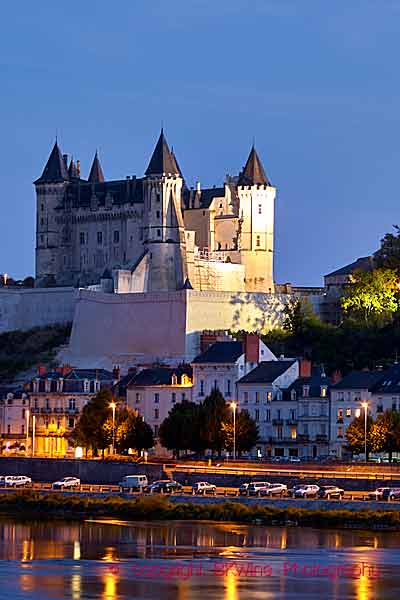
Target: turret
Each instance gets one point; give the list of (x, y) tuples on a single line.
[(96, 174)]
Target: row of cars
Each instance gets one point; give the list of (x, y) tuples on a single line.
[(264, 488), (24, 481)]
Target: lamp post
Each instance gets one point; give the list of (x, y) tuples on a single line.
[(27, 431), (113, 405), (233, 406), (365, 407), (33, 434)]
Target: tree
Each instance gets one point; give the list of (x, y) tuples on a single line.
[(355, 435), (247, 433), (372, 296), (91, 431), (181, 429), (386, 433), (388, 255), (299, 316), (132, 432), (213, 413)]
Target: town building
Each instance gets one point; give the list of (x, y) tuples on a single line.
[(224, 362), (153, 392), (261, 393), (14, 404)]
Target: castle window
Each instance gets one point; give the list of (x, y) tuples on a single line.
[(156, 413), (260, 209), (82, 237), (158, 232), (99, 237), (42, 239), (42, 206), (158, 214), (116, 237), (258, 240), (42, 221), (158, 197)]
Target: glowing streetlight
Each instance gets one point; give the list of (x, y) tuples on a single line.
[(113, 406), (27, 431), (233, 407), (365, 407)]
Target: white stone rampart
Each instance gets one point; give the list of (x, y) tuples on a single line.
[(24, 309)]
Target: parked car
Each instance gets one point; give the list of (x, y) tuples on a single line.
[(243, 489), (391, 493), (138, 483), (377, 494), (165, 486), (17, 480), (66, 482), (291, 491), (256, 487), (294, 459), (306, 491), (275, 489), (330, 491), (203, 487)]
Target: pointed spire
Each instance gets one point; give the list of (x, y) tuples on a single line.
[(72, 169), (176, 164), (55, 170), (253, 172), (96, 174), (162, 162)]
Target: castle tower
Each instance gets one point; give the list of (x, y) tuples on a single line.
[(50, 191), (96, 174), (256, 234), (163, 231)]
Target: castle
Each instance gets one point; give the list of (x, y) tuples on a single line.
[(154, 234)]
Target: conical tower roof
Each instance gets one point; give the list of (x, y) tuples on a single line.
[(96, 174), (55, 170), (176, 163), (162, 161), (253, 172)]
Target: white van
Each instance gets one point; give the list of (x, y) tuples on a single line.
[(134, 482)]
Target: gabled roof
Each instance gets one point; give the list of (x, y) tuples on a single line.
[(253, 172), (55, 170), (221, 352), (159, 376), (364, 380), (366, 263), (162, 161), (96, 174), (267, 371)]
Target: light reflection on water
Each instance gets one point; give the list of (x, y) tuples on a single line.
[(116, 560)]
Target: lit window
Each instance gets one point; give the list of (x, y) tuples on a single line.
[(348, 412), (357, 412), (323, 392), (293, 433), (269, 396)]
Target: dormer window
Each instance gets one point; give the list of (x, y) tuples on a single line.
[(323, 392), (306, 391), (185, 379), (174, 379)]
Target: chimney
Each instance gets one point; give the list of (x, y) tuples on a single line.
[(41, 370), (305, 368), (336, 376), (252, 348), (116, 373)]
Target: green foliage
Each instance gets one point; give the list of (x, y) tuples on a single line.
[(372, 297), (132, 432), (355, 435), (386, 433), (20, 350), (299, 317), (214, 411), (181, 429), (388, 256), (246, 432)]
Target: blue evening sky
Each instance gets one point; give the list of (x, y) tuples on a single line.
[(316, 83)]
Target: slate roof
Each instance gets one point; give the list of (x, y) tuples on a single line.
[(359, 380), (80, 374), (253, 172), (389, 382), (221, 352), (365, 263), (125, 191), (315, 382), (96, 174), (159, 376), (267, 371), (55, 170), (162, 161)]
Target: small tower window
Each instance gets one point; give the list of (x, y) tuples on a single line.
[(82, 237), (116, 237), (258, 240), (158, 214), (260, 209), (158, 232), (42, 206), (158, 197), (99, 237)]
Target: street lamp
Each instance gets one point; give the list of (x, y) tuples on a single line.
[(365, 407), (113, 405), (233, 406), (27, 431), (33, 434)]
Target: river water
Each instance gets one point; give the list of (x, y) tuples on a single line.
[(111, 559)]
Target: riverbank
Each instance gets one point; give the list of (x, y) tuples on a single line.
[(31, 504)]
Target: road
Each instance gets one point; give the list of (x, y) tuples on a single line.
[(229, 492)]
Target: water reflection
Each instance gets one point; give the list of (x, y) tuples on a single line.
[(114, 560)]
